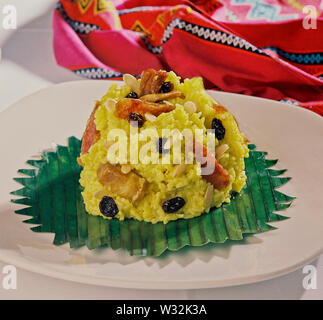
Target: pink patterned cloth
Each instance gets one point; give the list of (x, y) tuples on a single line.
[(266, 48)]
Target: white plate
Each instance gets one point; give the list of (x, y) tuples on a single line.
[(291, 134)]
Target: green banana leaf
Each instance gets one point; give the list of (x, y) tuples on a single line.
[(53, 201)]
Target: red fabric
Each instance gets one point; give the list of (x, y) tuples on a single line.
[(264, 52)]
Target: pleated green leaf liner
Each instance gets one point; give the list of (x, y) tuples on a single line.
[(52, 198)]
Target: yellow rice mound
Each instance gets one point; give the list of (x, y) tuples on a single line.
[(161, 184)]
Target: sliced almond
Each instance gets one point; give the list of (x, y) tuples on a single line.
[(167, 102), (190, 107), (220, 151), (208, 196), (132, 82), (179, 170), (150, 117), (110, 104), (99, 194), (125, 168)]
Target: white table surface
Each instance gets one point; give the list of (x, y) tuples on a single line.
[(28, 65)]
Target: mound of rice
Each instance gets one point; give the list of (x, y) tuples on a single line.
[(161, 181)]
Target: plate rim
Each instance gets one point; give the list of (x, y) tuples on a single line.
[(155, 284)]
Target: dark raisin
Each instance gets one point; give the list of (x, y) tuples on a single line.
[(136, 119), (108, 207), (160, 145), (167, 87), (132, 95), (173, 205), (219, 129)]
